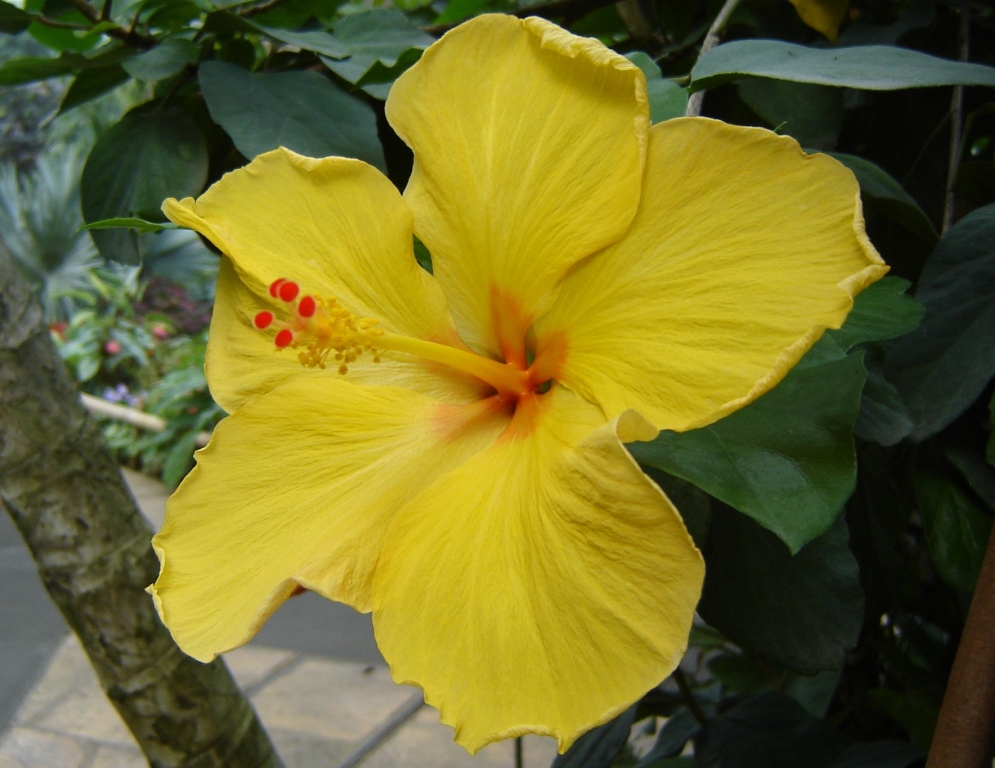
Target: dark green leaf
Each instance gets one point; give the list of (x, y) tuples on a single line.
[(143, 226), (667, 99), (165, 60), (598, 748), (786, 460), (318, 41), (917, 14), (133, 167), (301, 111), (882, 311), (814, 692), (676, 732), (870, 67), (941, 368), (802, 612), (12, 19), (880, 188), (971, 466), (767, 731), (884, 418), (956, 530), (381, 35), (380, 77), (740, 673), (879, 754), (812, 114), (91, 83)]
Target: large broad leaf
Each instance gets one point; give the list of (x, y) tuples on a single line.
[(381, 35), (871, 67), (877, 187), (31, 68), (597, 748), (765, 731), (165, 60), (301, 111), (802, 612), (956, 529), (133, 167), (941, 368), (667, 99), (786, 460)]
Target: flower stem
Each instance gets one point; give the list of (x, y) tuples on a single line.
[(711, 40), (689, 700)]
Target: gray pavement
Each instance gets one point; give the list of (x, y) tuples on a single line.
[(314, 675)]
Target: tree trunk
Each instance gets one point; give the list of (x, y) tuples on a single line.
[(65, 493)]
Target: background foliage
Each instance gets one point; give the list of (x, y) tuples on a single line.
[(843, 516)]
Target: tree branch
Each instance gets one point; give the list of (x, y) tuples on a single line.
[(711, 40), (964, 728), (127, 36)]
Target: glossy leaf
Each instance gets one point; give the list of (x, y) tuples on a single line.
[(597, 748), (956, 529), (667, 99), (802, 612), (165, 60), (884, 418), (301, 111), (943, 366), (787, 460), (882, 190), (133, 167), (870, 67)]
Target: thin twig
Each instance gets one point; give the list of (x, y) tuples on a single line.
[(711, 40), (964, 728), (956, 123), (129, 37), (689, 700), (519, 753), (105, 12)]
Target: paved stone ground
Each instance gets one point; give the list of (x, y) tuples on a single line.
[(314, 676)]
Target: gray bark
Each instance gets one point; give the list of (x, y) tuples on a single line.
[(65, 494)]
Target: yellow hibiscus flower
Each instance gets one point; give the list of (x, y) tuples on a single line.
[(446, 450)]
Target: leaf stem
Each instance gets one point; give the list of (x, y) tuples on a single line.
[(711, 40), (964, 727), (686, 693), (129, 37), (519, 753), (956, 124)]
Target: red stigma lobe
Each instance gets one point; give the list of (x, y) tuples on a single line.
[(274, 287), (283, 338), (263, 320), (307, 307), (288, 291)]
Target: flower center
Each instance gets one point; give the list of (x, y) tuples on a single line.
[(322, 328)]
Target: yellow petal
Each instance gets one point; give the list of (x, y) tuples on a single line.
[(541, 587), (298, 487), (744, 251), (529, 145), (336, 226), (823, 16), (242, 362)]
